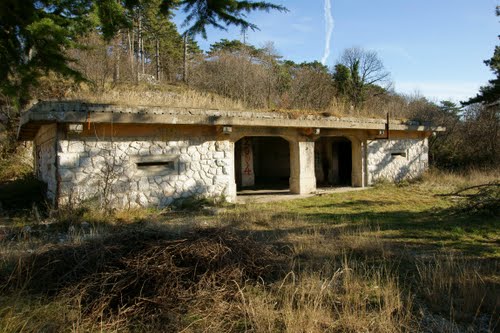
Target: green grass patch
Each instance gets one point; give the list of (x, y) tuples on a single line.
[(406, 215)]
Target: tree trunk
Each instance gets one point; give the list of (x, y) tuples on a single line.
[(116, 49), (157, 60), (139, 45), (185, 69), (143, 58), (131, 51)]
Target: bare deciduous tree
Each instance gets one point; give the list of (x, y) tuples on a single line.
[(366, 69), (370, 68)]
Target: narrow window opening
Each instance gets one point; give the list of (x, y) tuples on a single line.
[(157, 165), (398, 153), (168, 164)]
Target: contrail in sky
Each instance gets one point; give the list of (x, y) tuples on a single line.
[(329, 23)]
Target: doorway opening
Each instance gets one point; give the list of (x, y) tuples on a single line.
[(262, 164), (333, 161)]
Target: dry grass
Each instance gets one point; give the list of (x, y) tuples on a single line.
[(184, 97), (355, 262), (336, 299), (457, 287), (145, 95), (16, 165), (453, 181), (146, 280)]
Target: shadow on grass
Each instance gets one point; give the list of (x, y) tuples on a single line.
[(202, 250), (148, 274), (472, 234), (431, 226)]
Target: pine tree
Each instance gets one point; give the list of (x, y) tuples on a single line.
[(33, 39), (342, 80), (34, 35), (491, 92)]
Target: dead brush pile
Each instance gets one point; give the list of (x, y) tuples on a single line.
[(152, 279), (481, 199)]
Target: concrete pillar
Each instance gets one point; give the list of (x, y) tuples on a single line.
[(318, 162), (247, 171), (357, 163), (231, 185), (302, 177), (365, 162)]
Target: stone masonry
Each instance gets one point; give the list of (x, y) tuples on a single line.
[(109, 171)]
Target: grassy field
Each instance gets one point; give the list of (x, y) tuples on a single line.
[(393, 258)]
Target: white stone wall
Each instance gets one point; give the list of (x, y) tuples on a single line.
[(107, 171), (44, 152), (384, 163)]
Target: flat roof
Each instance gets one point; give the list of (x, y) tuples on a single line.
[(79, 112)]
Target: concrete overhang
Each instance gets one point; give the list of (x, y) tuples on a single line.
[(71, 112)]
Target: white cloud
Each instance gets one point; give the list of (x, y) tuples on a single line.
[(329, 23), (438, 91)]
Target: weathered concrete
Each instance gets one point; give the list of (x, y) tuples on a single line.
[(44, 153), (75, 112), (302, 176), (357, 162), (247, 169)]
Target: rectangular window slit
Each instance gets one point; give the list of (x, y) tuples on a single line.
[(402, 154), (155, 163)]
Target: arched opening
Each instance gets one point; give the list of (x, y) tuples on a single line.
[(262, 163), (333, 161)]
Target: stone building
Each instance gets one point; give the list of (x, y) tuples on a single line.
[(152, 156)]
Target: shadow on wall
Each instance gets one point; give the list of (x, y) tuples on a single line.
[(394, 166), (145, 173)]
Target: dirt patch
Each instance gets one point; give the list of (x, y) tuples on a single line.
[(262, 196)]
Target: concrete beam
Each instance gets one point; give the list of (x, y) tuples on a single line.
[(73, 112)]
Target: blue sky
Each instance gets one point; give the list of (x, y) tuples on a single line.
[(432, 47)]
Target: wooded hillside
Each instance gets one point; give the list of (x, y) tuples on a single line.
[(133, 51)]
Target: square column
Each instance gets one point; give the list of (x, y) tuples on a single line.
[(247, 171), (230, 191), (358, 160), (365, 162), (302, 175)]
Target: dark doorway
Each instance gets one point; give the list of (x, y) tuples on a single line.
[(333, 157), (262, 163)]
